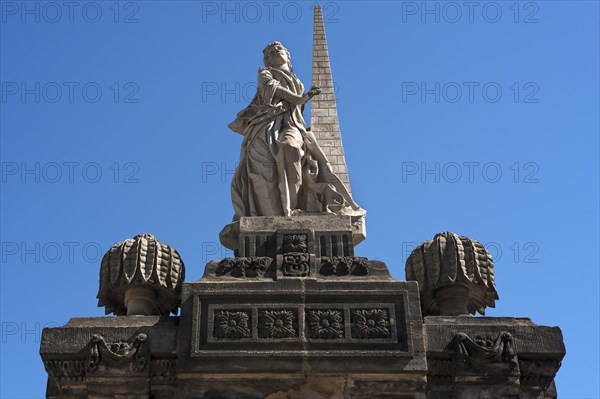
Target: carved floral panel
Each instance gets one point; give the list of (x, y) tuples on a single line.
[(325, 324), (232, 324), (370, 323), (277, 323)]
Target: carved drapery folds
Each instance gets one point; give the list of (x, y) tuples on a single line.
[(141, 276), (118, 353), (102, 357), (484, 349), (455, 275), (487, 357)]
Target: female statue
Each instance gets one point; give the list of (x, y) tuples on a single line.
[(282, 169)]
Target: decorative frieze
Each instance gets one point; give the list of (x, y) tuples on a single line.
[(440, 371), (336, 322), (538, 372), (163, 370), (344, 266), (244, 267), (66, 371)]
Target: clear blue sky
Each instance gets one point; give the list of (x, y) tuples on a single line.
[(480, 119)]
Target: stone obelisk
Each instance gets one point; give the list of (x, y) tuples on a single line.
[(324, 119)]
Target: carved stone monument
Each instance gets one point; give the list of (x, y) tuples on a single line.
[(296, 313)]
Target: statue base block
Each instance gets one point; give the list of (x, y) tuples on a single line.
[(235, 236)]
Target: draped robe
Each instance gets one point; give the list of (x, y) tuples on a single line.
[(282, 170)]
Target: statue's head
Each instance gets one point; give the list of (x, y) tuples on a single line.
[(276, 55)]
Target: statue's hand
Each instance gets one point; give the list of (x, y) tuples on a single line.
[(309, 94), (314, 91)]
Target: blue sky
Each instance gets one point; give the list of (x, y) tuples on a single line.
[(480, 119)]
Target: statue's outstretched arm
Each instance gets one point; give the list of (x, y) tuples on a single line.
[(265, 78), (288, 96), (294, 98)]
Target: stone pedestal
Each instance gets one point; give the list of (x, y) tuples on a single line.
[(297, 315), (291, 333)]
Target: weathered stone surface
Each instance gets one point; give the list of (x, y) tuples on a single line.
[(255, 234), (325, 268), (357, 325), (321, 222), (141, 276), (473, 357), (455, 275), (303, 386), (106, 357), (277, 247), (318, 336), (324, 121), (313, 336), (315, 321)]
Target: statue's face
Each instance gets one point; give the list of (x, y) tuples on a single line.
[(277, 55)]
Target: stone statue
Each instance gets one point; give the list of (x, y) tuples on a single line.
[(282, 170)]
